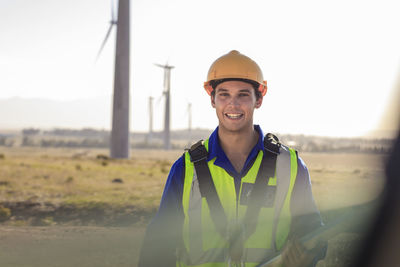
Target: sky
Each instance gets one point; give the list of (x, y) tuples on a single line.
[(332, 66)]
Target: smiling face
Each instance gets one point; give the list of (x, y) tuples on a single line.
[(234, 102)]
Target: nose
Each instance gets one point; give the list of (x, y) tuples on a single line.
[(234, 101)]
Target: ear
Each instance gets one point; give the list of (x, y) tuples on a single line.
[(213, 101), (259, 102)]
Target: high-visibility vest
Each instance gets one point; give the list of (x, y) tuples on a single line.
[(204, 246)]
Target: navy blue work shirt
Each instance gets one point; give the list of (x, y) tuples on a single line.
[(164, 232)]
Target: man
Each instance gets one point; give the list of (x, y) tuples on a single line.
[(239, 197)]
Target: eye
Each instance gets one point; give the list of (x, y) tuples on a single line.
[(244, 94), (223, 94)]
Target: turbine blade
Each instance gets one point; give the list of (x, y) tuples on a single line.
[(105, 40), (158, 100), (159, 65)]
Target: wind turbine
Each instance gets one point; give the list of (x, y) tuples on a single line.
[(167, 84), (119, 145)]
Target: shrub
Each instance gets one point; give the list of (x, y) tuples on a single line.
[(47, 221), (102, 156), (5, 213), (117, 180), (5, 183)]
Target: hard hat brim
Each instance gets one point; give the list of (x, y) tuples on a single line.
[(262, 88)]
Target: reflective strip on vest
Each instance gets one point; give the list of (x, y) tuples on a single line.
[(282, 219), (202, 243)]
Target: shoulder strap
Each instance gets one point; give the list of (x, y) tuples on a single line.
[(267, 170), (198, 155)]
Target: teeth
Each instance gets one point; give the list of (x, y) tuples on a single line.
[(233, 116)]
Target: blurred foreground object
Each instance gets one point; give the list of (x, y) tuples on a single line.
[(356, 219), (383, 242)]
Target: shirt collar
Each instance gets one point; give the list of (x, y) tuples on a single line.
[(216, 151)]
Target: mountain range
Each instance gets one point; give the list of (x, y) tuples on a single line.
[(17, 113)]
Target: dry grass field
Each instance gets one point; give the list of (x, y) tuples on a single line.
[(78, 207)]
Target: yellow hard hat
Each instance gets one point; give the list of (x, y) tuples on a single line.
[(235, 65)]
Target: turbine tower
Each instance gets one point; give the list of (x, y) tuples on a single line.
[(150, 118), (119, 145), (167, 84)]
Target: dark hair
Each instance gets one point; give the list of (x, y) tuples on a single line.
[(215, 83)]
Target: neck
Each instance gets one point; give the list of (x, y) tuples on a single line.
[(237, 145)]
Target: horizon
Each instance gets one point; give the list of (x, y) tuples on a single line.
[(384, 135)]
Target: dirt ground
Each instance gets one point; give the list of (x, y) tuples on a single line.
[(85, 246), (65, 246), (339, 181)]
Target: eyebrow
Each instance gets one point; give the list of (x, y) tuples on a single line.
[(241, 90)]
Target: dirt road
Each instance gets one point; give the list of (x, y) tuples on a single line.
[(67, 246)]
